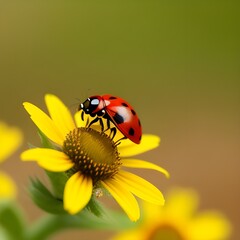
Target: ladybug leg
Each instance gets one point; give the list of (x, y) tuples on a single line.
[(82, 118), (100, 116), (96, 120), (113, 132), (107, 123), (119, 140), (93, 121), (101, 124)]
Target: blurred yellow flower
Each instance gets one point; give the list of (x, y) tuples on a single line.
[(10, 140), (92, 160), (178, 219)]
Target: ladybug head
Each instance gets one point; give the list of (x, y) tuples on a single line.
[(92, 105)]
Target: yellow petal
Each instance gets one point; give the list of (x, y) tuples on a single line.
[(140, 187), (49, 159), (152, 211), (60, 114), (148, 142), (131, 234), (181, 203), (210, 225), (44, 123), (124, 198), (135, 163), (8, 188), (77, 193), (10, 140)]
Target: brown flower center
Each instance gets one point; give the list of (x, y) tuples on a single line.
[(166, 232), (93, 153)]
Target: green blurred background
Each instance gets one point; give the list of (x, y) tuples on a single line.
[(176, 62)]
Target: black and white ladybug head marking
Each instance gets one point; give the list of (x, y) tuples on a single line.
[(92, 105)]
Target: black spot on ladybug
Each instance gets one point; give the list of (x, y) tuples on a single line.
[(139, 123), (112, 97), (124, 104), (133, 112), (118, 118), (131, 132)]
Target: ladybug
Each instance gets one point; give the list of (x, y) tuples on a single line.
[(115, 110)]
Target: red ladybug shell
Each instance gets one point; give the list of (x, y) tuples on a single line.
[(124, 117), (119, 112)]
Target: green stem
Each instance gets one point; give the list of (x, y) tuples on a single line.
[(50, 224)]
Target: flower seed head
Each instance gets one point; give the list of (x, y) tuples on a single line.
[(93, 153)]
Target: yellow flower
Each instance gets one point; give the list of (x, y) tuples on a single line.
[(178, 219), (10, 140), (92, 160)]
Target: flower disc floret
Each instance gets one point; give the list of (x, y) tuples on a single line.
[(94, 154)]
